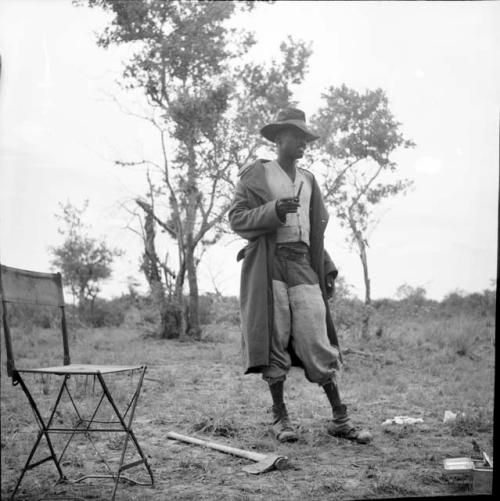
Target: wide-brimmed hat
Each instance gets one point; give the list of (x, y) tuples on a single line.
[(286, 118)]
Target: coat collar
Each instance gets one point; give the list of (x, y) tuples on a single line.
[(254, 178)]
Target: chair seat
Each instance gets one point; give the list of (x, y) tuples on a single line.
[(87, 369)]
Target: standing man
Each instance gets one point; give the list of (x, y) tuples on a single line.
[(286, 275)]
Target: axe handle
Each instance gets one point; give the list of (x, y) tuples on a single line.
[(254, 456)]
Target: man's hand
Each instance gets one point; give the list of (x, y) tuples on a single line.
[(286, 206), (330, 285)]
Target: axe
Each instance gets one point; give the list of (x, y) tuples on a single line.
[(263, 462)]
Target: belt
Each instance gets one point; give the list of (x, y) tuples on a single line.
[(292, 249)]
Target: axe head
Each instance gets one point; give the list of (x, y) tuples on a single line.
[(267, 464)]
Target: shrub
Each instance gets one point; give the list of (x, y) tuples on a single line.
[(347, 312), (479, 304), (472, 423), (159, 321), (105, 313), (26, 315), (214, 308)]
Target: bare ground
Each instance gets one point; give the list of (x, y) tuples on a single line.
[(416, 369)]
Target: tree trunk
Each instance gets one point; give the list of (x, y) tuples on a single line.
[(193, 322), (194, 329), (366, 277), (179, 301), (170, 316), (361, 243), (82, 314)]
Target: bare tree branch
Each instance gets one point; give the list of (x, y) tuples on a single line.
[(365, 188), (336, 181)]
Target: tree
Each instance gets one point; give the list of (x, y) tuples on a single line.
[(157, 272), (410, 294), (84, 261), (205, 106), (358, 136)]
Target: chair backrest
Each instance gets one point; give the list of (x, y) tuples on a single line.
[(30, 287)]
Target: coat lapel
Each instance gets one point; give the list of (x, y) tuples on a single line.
[(255, 181)]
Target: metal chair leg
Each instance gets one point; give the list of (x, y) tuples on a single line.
[(126, 425), (26, 465), (42, 432), (127, 430)]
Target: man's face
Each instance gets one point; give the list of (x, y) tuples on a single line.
[(291, 143)]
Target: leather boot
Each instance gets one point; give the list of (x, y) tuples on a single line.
[(282, 428), (341, 427)]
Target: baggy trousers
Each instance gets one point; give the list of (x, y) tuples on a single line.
[(299, 318)]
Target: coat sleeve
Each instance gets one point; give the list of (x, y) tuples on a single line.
[(330, 265), (251, 223)]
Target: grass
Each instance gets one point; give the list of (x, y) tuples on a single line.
[(417, 367)]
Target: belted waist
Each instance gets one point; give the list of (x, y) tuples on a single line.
[(292, 250)]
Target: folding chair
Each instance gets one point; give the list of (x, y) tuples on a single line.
[(45, 289)]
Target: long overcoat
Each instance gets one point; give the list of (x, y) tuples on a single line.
[(253, 216)]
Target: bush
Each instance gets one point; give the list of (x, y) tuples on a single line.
[(26, 315), (481, 304), (347, 312), (471, 423), (158, 321), (218, 309), (105, 313)]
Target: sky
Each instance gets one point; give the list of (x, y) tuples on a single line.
[(61, 130)]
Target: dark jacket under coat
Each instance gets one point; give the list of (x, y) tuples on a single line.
[(253, 216)]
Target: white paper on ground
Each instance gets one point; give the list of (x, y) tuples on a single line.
[(402, 420)]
